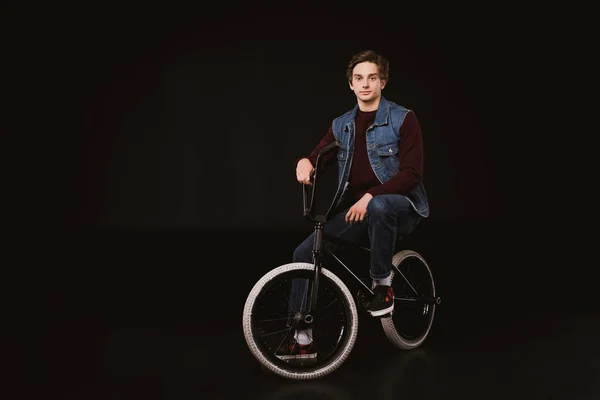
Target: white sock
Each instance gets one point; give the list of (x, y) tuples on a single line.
[(304, 336), (385, 281)]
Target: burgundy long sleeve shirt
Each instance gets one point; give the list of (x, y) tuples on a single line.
[(362, 179)]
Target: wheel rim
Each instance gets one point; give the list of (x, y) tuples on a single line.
[(271, 329), (412, 283)]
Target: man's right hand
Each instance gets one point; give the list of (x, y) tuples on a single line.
[(304, 171)]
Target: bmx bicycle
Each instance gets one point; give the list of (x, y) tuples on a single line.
[(330, 309)]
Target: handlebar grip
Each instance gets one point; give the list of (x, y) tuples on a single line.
[(330, 146)]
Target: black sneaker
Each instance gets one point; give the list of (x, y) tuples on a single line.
[(382, 302), (296, 351)]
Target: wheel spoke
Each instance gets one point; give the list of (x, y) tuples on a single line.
[(276, 332)]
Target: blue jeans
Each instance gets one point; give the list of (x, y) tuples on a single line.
[(388, 216)]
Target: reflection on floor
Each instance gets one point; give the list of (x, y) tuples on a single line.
[(132, 317), (544, 356)]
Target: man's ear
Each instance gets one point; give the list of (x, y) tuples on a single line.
[(383, 83)]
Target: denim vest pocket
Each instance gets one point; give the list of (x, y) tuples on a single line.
[(388, 156)]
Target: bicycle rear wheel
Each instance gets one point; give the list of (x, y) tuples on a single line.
[(266, 322), (414, 307)]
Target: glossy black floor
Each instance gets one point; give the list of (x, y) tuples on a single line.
[(144, 315)]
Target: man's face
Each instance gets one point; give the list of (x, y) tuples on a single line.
[(366, 83)]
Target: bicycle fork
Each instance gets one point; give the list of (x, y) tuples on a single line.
[(317, 253)]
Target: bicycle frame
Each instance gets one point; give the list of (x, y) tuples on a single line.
[(319, 221)]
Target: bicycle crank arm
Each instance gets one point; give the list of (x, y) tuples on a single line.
[(428, 300)]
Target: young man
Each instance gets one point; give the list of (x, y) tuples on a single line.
[(380, 190)]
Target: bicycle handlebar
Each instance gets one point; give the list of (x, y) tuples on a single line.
[(330, 146), (308, 209)]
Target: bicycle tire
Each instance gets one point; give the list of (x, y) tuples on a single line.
[(397, 338), (290, 372)]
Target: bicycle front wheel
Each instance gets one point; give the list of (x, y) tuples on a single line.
[(268, 322)]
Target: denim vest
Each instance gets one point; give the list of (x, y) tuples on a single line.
[(382, 149)]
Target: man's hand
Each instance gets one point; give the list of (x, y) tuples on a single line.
[(358, 211), (304, 171)]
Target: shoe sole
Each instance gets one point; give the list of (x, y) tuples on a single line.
[(298, 357), (384, 311)]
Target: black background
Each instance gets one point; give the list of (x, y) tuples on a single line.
[(148, 155), (165, 118)]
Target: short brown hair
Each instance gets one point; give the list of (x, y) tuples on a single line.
[(369, 56)]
